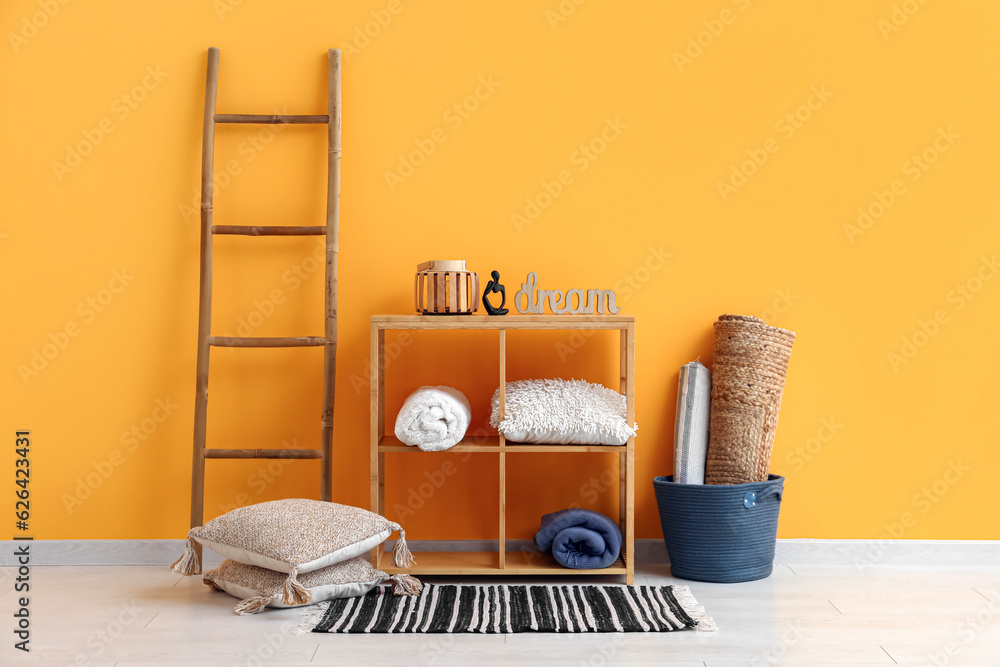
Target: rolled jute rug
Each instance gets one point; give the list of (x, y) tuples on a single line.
[(748, 377)]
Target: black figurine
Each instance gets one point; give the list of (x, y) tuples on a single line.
[(492, 287)]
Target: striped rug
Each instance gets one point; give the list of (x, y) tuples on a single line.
[(505, 609)]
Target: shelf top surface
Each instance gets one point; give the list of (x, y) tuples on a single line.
[(488, 563), (502, 322), (491, 445)]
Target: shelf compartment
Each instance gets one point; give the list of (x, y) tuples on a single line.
[(491, 445), (488, 563), (533, 562), (445, 562)]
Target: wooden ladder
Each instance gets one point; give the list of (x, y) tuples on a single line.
[(206, 341)]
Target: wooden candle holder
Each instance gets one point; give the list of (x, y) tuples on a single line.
[(444, 287)]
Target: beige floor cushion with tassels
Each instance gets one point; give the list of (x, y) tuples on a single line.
[(259, 588), (293, 536)]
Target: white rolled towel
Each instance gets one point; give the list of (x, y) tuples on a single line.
[(433, 418)]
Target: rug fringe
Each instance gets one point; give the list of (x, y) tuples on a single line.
[(310, 618), (704, 622)]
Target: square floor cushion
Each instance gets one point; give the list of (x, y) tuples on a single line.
[(293, 536), (259, 588)]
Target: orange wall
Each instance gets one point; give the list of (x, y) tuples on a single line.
[(835, 103)]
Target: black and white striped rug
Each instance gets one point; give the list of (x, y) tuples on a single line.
[(506, 609)]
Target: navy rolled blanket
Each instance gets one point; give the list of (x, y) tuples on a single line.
[(580, 539)]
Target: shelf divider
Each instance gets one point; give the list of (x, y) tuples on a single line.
[(628, 458), (377, 427), (502, 543)]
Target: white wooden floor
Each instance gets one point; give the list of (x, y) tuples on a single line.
[(801, 615)]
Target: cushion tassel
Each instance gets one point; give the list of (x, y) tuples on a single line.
[(188, 563), (295, 593), (404, 584), (401, 556), (208, 581), (251, 606)]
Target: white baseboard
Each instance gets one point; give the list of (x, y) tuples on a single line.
[(860, 553)]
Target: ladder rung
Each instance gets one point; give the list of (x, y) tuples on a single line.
[(254, 230), (290, 341), (269, 119), (263, 454)]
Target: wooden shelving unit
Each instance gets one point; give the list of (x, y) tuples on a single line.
[(502, 562)]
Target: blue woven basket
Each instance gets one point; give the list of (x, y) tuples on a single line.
[(720, 533)]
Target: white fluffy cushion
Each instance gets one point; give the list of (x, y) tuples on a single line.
[(564, 412), (258, 587)]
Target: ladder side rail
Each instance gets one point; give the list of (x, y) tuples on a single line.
[(332, 249), (205, 295)]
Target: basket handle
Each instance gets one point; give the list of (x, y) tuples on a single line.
[(752, 498)]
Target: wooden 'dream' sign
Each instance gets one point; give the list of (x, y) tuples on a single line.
[(447, 292), (574, 301)]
